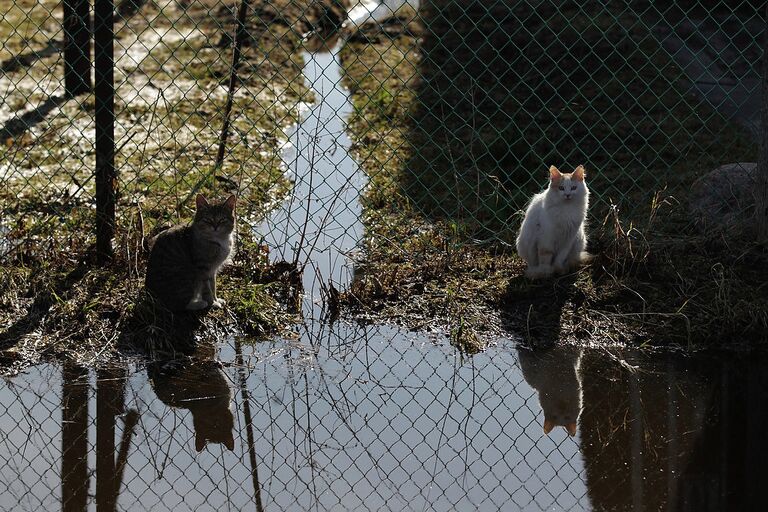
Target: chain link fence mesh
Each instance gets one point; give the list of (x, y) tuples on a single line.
[(458, 108), (481, 98)]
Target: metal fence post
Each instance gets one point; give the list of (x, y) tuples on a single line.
[(106, 177), (77, 46)]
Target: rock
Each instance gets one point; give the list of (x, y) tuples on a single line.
[(724, 198)]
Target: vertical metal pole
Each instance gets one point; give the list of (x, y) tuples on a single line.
[(240, 34), (77, 46), (106, 177)]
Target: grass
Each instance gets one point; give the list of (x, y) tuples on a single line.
[(172, 68), (455, 126)]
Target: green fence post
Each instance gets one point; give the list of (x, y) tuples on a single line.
[(77, 46)]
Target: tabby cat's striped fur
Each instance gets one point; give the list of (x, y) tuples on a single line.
[(184, 260)]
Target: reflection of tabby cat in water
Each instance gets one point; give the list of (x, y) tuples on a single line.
[(202, 388), (554, 374)]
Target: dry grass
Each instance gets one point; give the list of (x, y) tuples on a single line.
[(172, 66)]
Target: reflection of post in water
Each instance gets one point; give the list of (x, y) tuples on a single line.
[(74, 438), (248, 426), (110, 403), (631, 447), (727, 469)]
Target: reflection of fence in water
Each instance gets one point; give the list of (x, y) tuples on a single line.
[(385, 423), (378, 423)]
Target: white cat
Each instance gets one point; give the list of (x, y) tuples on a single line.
[(552, 237)]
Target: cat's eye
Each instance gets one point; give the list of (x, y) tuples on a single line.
[(562, 187), (573, 187)]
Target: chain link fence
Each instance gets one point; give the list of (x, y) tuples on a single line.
[(463, 106), (318, 114)]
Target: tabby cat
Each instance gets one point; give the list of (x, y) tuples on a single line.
[(184, 260)]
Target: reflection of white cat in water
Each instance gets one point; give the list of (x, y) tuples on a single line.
[(554, 374), (202, 388)]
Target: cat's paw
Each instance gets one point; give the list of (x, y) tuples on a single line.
[(218, 303), (539, 272), (196, 305)]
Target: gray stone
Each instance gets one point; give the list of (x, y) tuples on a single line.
[(724, 198)]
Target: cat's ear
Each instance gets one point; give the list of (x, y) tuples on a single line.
[(229, 442), (199, 442), (554, 173), (201, 201), (571, 428), (230, 202), (548, 426), (579, 173)]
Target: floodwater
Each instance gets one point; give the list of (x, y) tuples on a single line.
[(351, 416)]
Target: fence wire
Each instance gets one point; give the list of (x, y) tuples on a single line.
[(453, 108), (468, 103)]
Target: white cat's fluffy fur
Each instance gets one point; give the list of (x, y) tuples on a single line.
[(552, 237)]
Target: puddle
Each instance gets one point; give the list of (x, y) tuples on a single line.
[(321, 220), (364, 11), (373, 419)]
